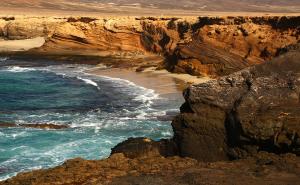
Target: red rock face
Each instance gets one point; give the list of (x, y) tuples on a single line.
[(199, 46), (220, 46)]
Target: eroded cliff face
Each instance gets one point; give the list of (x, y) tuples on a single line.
[(238, 115), (241, 116), (213, 46), (252, 114)]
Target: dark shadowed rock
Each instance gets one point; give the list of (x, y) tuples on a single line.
[(255, 109), (145, 147)]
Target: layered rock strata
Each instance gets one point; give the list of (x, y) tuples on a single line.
[(251, 115), (214, 46)]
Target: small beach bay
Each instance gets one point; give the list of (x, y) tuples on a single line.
[(98, 110)]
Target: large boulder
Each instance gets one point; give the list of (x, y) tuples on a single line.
[(145, 147), (235, 116)]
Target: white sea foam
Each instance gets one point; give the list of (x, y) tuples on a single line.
[(95, 123), (88, 81), (119, 82), (7, 176), (145, 95), (19, 134), (3, 59), (166, 134), (9, 161), (19, 147), (17, 69), (73, 71), (142, 115)]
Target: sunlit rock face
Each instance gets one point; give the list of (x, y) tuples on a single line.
[(213, 46)]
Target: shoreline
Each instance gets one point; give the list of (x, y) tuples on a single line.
[(203, 118), (146, 77), (161, 81)]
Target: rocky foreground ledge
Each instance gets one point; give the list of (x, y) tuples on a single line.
[(251, 116), (213, 46)]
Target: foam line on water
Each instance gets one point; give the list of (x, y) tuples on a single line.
[(73, 71), (88, 81), (94, 124), (145, 95), (142, 94), (17, 69), (8, 176), (3, 59)]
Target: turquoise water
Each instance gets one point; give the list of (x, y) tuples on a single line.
[(100, 111)]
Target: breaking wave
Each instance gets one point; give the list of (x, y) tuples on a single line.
[(17, 69), (98, 118), (88, 81)]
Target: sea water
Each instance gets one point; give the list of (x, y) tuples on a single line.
[(100, 111)]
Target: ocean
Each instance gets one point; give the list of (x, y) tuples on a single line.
[(100, 112)]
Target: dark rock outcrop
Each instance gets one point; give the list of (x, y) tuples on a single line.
[(145, 147), (263, 168), (238, 115), (38, 126)]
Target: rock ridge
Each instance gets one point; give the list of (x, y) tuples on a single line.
[(213, 46)]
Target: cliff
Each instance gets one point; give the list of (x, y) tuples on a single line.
[(249, 114), (256, 109), (214, 46)]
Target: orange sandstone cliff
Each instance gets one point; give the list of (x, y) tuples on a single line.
[(214, 46), (250, 116)]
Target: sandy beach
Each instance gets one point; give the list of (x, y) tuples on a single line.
[(162, 81), (21, 45)]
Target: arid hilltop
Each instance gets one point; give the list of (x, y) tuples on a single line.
[(155, 7)]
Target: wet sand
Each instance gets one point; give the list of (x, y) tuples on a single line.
[(161, 81)]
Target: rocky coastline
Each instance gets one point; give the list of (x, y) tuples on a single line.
[(242, 127), (210, 46)]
